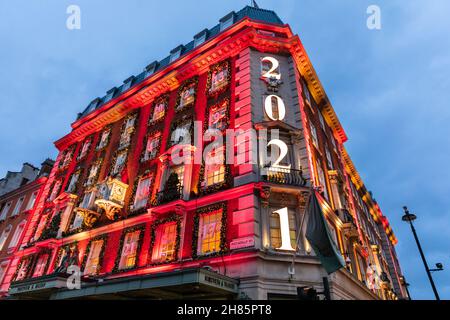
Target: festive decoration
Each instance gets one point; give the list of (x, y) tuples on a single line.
[(147, 173), (172, 191), (63, 251), (141, 228), (94, 172), (52, 230), (112, 195), (156, 134), (219, 78), (172, 218), (74, 181), (223, 229), (185, 120), (127, 130), (159, 110), (186, 94), (105, 137), (85, 148), (24, 268)]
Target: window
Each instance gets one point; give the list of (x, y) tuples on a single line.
[(226, 22), (175, 54), (275, 229), (181, 134), (219, 77), (72, 186), (3, 268), (23, 269), (152, 147), (179, 170), (127, 131), (129, 250), (119, 163), (187, 96), (5, 210), (17, 234), (93, 260), (199, 39), (18, 206), (209, 236), (159, 110), (306, 92), (333, 233), (321, 177), (41, 265), (322, 121), (88, 200), (77, 221), (41, 225), (315, 141), (142, 192), (84, 149), (214, 166), (329, 161), (32, 201), (93, 173), (67, 158), (165, 242), (218, 116), (104, 139), (4, 236), (55, 190)]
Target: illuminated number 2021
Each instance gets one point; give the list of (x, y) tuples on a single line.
[(283, 152), (272, 101), (284, 230), (272, 64)]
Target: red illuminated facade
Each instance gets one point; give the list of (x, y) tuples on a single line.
[(118, 206)]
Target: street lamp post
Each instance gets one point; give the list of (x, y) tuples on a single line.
[(409, 217)]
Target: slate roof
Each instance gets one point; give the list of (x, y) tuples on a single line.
[(253, 13)]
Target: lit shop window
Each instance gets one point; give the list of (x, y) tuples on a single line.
[(55, 190), (119, 162), (159, 110), (129, 250), (215, 167), (5, 210), (17, 234), (187, 95), (4, 236), (104, 139), (152, 147), (84, 148), (93, 173), (219, 77), (315, 141), (218, 116), (209, 236), (32, 201), (275, 229), (165, 242), (142, 192), (41, 264), (93, 260), (17, 207)]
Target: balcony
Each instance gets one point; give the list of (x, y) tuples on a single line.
[(284, 176), (168, 195)]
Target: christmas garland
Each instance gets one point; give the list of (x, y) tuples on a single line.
[(225, 101), (172, 218), (114, 159), (97, 162), (141, 228), (223, 229), (62, 164), (79, 172), (188, 83), (51, 231), (103, 237), (217, 68), (226, 183), (161, 99), (133, 211)]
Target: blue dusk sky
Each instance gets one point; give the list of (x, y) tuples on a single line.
[(390, 88)]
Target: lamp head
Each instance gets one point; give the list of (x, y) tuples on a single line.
[(408, 216)]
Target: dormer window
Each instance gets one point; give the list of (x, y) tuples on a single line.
[(109, 94), (200, 38), (175, 53), (226, 21), (127, 83), (151, 68)]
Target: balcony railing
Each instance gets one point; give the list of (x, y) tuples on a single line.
[(284, 176), (166, 196)]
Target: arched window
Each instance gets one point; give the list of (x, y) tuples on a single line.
[(4, 236), (18, 234)]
